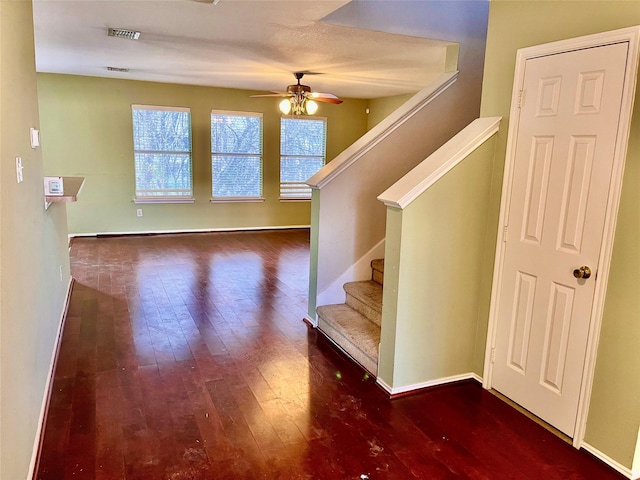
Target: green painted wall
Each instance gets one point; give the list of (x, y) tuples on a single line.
[(313, 253), (381, 108), (438, 279), (33, 250), (87, 131), (614, 415), (389, 326)]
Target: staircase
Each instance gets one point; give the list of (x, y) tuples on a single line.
[(355, 325)]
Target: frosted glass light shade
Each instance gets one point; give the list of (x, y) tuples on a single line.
[(311, 107), (285, 106)]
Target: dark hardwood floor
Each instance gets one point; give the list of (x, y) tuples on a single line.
[(186, 357)]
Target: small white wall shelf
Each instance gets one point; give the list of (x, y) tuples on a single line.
[(72, 187)]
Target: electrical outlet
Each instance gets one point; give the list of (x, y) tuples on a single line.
[(139, 212), (60, 269)]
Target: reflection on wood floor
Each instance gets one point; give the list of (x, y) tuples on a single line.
[(186, 357)]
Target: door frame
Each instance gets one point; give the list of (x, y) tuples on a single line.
[(632, 36)]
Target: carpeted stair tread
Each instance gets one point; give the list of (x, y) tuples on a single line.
[(368, 292), (366, 298), (353, 332)]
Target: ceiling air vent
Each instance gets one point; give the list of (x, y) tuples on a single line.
[(117, 69), (124, 33)]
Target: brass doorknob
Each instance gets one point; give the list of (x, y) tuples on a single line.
[(582, 272)]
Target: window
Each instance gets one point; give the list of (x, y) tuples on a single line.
[(162, 151), (236, 156), (302, 154)]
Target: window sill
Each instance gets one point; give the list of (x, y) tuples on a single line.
[(163, 200), (237, 200), (294, 199)]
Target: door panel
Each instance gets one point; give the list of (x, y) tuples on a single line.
[(537, 189), (562, 170), (557, 337), (520, 329), (576, 192)]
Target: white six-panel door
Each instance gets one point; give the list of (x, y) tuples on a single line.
[(569, 117)]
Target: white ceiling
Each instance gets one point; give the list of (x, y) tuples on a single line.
[(254, 45)]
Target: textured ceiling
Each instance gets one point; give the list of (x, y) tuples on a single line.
[(254, 45)]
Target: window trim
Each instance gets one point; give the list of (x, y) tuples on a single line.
[(241, 199), (162, 108), (324, 157), (159, 199), (162, 198), (237, 199)]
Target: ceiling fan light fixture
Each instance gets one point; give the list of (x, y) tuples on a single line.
[(311, 107), (298, 105), (299, 99), (285, 106)]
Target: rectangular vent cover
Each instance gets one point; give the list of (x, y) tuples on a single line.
[(123, 33)]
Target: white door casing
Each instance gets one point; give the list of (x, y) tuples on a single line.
[(564, 155), (569, 128)]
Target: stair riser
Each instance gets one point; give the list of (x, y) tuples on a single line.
[(377, 271), (371, 364), (364, 309)]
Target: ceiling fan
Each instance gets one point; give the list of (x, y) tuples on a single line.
[(299, 99)]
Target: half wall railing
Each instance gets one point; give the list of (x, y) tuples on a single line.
[(347, 221), (438, 236)]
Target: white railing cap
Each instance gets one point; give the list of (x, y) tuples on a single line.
[(430, 170), (379, 132)]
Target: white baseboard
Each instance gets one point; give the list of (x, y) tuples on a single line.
[(466, 376), (609, 461), (49, 385), (194, 230), (385, 386), (311, 321), (431, 383)]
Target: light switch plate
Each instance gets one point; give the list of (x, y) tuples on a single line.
[(19, 176), (35, 137)]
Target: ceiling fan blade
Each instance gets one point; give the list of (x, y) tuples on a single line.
[(335, 101), (316, 95), (277, 94), (302, 92)]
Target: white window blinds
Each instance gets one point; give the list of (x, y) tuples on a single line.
[(236, 155), (162, 152), (302, 154)]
